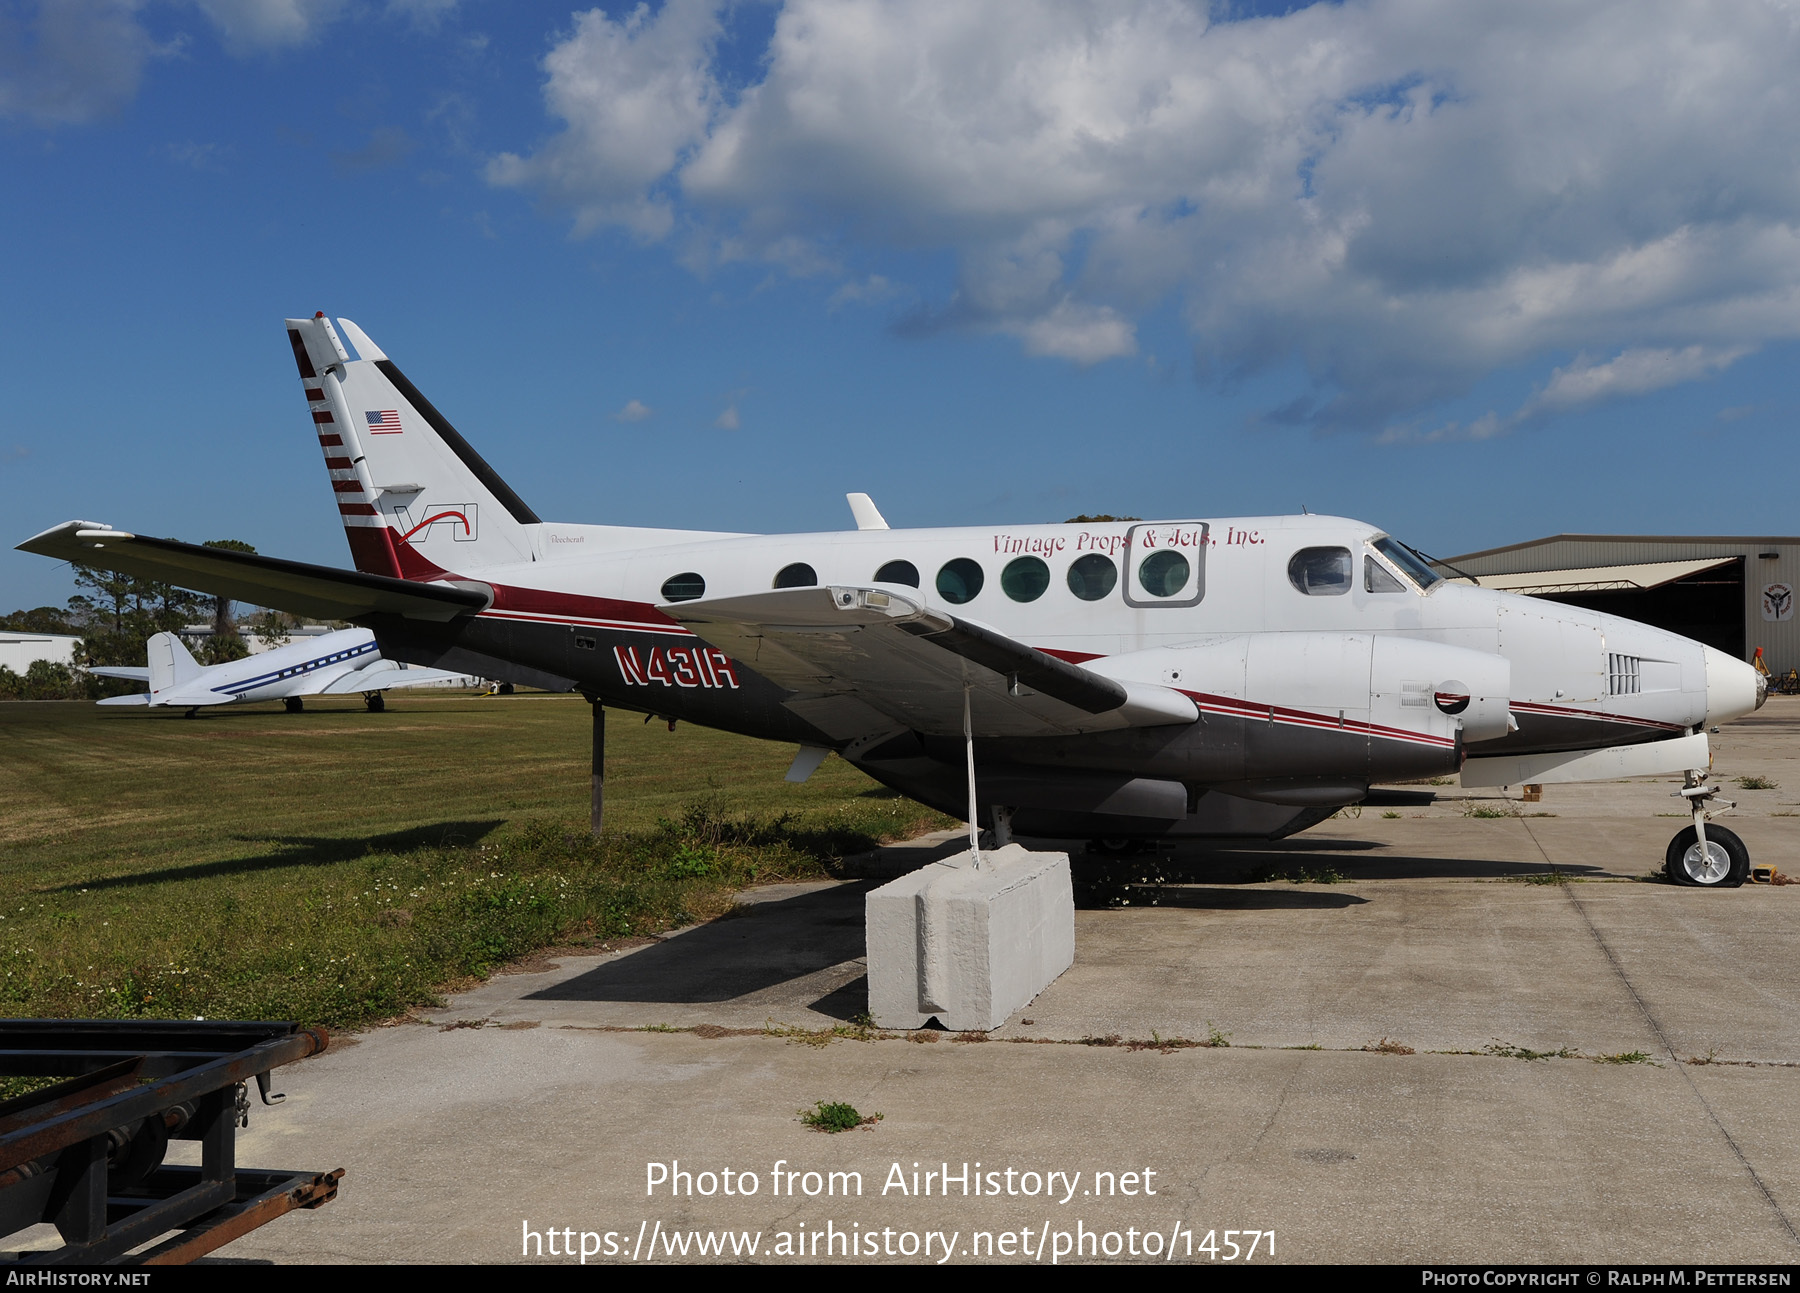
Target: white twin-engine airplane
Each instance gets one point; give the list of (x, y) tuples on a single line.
[(1219, 678), (343, 663)]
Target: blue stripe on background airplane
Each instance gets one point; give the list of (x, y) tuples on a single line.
[(347, 662), (1210, 678)]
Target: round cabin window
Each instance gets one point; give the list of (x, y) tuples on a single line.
[(1093, 577), (1164, 574), (685, 587), (960, 581), (1025, 579), (898, 572), (798, 575)]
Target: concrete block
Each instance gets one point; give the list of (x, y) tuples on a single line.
[(969, 946)]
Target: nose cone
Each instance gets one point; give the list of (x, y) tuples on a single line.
[(1733, 688)]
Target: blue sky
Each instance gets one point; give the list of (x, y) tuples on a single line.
[(1471, 273)]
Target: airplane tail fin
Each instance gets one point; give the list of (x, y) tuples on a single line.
[(170, 663), (416, 500)]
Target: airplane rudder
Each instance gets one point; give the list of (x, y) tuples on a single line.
[(322, 361), (439, 503)]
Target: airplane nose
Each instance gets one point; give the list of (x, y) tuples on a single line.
[(1733, 688)]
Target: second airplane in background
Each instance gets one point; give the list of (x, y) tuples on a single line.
[(344, 663)]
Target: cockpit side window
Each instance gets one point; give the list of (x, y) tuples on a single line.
[(1411, 564), (1377, 578), (1320, 572)]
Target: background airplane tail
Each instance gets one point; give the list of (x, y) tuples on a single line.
[(170, 663), (416, 500)]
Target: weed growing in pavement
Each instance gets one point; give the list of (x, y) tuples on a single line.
[(822, 1037), (1758, 783), (1542, 877), (1627, 1057), (1269, 873), (1510, 1052), (1390, 814), (836, 1116), (1387, 1046)]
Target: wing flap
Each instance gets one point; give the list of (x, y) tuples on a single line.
[(911, 663), (322, 592)]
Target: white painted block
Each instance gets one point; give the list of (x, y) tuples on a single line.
[(969, 946)]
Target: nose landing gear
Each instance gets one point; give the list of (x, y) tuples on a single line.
[(1702, 855)]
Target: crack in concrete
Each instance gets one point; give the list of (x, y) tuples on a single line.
[(1274, 1114), (1668, 1048)]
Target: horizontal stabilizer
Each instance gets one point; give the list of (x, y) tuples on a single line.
[(319, 592), (136, 698), (130, 673), (886, 654)]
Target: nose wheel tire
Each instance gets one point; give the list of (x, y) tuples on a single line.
[(1724, 865)]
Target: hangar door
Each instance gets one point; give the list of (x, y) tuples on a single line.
[(1702, 600)]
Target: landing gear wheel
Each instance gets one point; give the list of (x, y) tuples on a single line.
[(375, 701), (1725, 865), (294, 704)]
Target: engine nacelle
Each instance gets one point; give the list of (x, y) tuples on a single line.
[(1352, 681)]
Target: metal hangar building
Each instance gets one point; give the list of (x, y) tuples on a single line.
[(1732, 592)]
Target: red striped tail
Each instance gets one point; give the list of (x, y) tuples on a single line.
[(416, 500)]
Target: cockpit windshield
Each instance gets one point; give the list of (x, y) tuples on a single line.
[(1414, 566)]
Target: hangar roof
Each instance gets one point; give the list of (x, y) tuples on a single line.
[(1572, 552), (1650, 574)]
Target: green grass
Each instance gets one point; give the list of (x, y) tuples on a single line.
[(338, 866)]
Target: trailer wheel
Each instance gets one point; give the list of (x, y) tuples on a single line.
[(1726, 864)]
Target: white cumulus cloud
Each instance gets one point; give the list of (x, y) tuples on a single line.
[(1400, 195), (1635, 372), (636, 95), (268, 24), (64, 62), (634, 411)]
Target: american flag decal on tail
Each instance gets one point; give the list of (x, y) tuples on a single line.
[(383, 421)]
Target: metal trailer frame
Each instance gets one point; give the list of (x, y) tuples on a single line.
[(85, 1154)]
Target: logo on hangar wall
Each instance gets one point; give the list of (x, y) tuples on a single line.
[(1778, 602)]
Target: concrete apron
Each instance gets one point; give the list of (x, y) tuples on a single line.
[(539, 1099)]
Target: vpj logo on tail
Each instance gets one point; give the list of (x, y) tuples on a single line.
[(457, 520)]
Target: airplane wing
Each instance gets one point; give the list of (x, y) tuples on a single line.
[(131, 673), (860, 659), (384, 675), (296, 586)]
